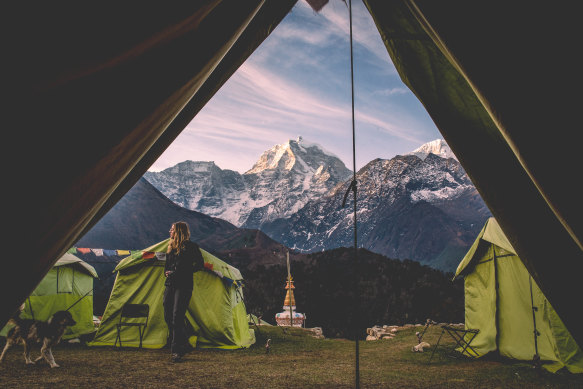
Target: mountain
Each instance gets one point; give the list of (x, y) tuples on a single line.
[(279, 184), (426, 210), (144, 216), (420, 205), (437, 147), (392, 291)]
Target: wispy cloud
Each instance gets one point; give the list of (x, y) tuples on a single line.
[(364, 32), (391, 91), (297, 83)]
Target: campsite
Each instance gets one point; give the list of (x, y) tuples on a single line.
[(232, 348), (295, 357), (95, 96)]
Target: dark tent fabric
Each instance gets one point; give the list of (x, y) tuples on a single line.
[(496, 77), (95, 94)]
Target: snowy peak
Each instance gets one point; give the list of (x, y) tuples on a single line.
[(278, 157), (298, 155), (281, 182), (422, 209), (187, 168), (437, 147)]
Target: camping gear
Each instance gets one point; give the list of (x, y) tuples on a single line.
[(118, 100), (67, 286), (508, 308), (462, 338), (128, 316), (216, 313)]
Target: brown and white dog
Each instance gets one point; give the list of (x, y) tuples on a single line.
[(31, 332)]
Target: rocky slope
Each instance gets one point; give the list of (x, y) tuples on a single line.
[(407, 207), (280, 183), (144, 215)]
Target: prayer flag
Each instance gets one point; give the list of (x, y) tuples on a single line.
[(218, 273), (148, 255)]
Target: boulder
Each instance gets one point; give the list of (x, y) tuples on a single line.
[(419, 348)]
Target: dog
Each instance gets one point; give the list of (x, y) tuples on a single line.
[(30, 332)]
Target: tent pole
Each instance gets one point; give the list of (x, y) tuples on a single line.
[(497, 289), (353, 185), (536, 357), (291, 296)]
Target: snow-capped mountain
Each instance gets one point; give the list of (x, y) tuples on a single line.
[(422, 209), (280, 183), (437, 147), (420, 206)]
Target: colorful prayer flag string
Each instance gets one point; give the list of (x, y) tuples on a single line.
[(148, 255)]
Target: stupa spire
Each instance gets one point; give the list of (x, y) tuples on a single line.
[(289, 296), (289, 316)]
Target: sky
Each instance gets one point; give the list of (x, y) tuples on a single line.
[(297, 83)]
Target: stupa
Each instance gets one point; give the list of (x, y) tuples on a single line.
[(289, 309)]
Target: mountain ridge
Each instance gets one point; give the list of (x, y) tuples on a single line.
[(283, 179), (407, 207), (420, 205), (144, 216)]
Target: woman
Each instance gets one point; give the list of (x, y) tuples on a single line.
[(183, 258)]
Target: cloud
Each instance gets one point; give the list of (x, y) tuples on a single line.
[(298, 83), (364, 31), (391, 91)]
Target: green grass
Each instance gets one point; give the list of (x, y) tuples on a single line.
[(295, 360)]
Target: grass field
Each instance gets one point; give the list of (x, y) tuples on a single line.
[(295, 360)]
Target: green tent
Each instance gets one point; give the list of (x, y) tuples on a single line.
[(254, 320), (67, 286), (216, 312), (507, 306)]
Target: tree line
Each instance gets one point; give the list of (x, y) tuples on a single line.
[(344, 295)]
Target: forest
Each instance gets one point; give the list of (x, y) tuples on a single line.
[(335, 291), (342, 294)]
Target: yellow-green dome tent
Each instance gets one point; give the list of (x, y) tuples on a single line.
[(216, 311), (507, 306), (67, 286)]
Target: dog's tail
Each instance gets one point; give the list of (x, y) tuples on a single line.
[(15, 319)]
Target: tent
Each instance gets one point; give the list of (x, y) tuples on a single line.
[(67, 286), (497, 78), (216, 312), (254, 320), (507, 306)]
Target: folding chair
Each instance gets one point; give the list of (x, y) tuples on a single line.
[(461, 340), (133, 315)]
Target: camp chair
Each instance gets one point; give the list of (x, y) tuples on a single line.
[(461, 340), (133, 312)]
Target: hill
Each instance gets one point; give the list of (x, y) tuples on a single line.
[(144, 216)]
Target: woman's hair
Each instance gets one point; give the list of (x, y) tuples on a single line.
[(181, 234)]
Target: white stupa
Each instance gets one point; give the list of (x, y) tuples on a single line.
[(289, 309)]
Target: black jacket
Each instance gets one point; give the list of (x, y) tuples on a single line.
[(183, 265)]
